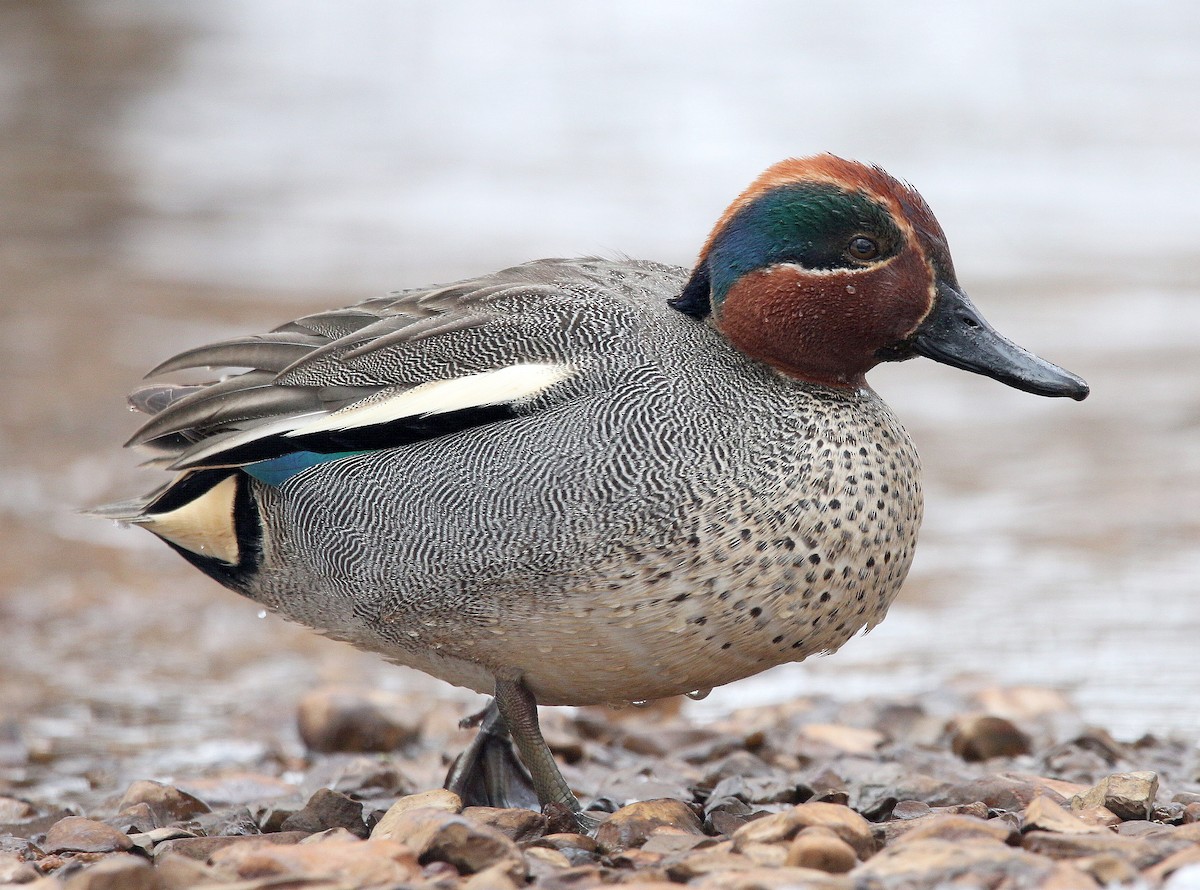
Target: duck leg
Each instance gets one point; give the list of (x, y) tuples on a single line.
[(518, 708), (488, 773)]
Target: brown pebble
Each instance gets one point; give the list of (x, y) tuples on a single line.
[(1109, 870), (578, 848), (933, 862), (1189, 856), (1191, 813), (167, 803), (718, 858), (911, 809), (438, 836), (630, 826), (351, 860), (346, 719), (495, 877), (202, 848), (13, 809), (849, 739), (520, 825), (1044, 814), (79, 835), (15, 870), (120, 872), (672, 844), (783, 878), (178, 872), (983, 736), (1128, 795), (950, 827), (546, 856), (778, 827), (767, 855), (328, 809), (438, 799), (818, 847), (1139, 852), (996, 791)]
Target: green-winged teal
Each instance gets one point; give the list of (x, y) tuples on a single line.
[(584, 481)]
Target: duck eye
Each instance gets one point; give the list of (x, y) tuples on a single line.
[(863, 248)]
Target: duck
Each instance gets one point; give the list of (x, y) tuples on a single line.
[(586, 481)]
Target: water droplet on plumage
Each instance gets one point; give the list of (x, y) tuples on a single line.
[(644, 703), (262, 613), (698, 694)]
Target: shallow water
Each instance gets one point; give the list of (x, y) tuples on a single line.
[(173, 176)]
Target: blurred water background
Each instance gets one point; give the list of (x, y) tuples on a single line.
[(176, 173)]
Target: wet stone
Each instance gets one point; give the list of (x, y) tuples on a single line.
[(982, 737), (79, 835), (328, 809), (1127, 795), (347, 719), (631, 826)]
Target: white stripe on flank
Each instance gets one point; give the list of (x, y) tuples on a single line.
[(497, 387)]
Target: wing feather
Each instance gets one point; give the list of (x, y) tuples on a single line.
[(387, 371)]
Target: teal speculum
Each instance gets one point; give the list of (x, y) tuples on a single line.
[(587, 481)]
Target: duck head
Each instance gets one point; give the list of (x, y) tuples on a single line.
[(823, 268)]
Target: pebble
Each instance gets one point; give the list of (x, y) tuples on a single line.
[(437, 799), (983, 736), (1043, 814), (516, 824), (336, 718), (786, 878), (1126, 795), (202, 848), (120, 872), (633, 825), (76, 834), (935, 862), (165, 803), (328, 809), (14, 810), (954, 827), (841, 820), (439, 836), (818, 847), (339, 858)]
